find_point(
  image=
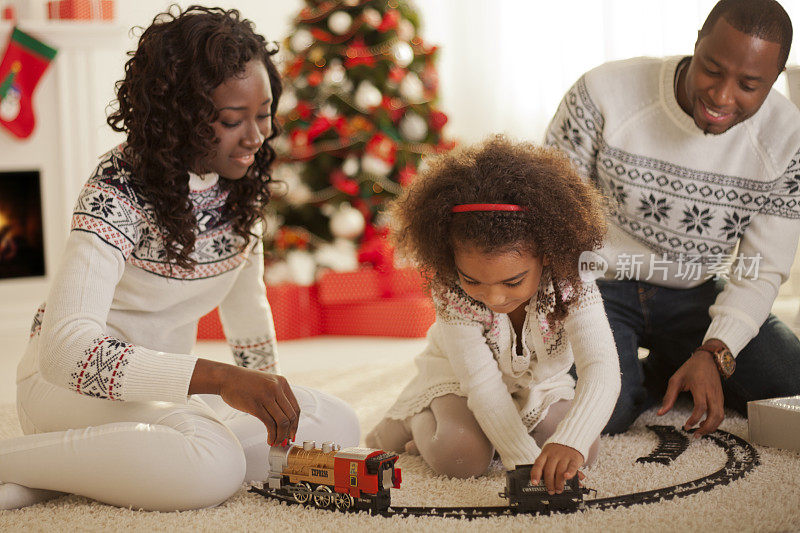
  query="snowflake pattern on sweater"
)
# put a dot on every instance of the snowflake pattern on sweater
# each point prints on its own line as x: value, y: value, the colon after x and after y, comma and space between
x: 102, y: 369
x: 672, y: 209
x: 258, y: 353
x: 110, y: 208
x: 122, y: 342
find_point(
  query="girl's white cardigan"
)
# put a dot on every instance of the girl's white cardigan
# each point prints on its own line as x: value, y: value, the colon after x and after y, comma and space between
x: 472, y: 352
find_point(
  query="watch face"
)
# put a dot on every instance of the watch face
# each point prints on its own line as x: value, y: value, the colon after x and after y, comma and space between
x: 725, y: 362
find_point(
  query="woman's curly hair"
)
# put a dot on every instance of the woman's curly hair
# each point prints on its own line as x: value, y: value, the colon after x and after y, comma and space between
x: 164, y: 106
x: 564, y: 215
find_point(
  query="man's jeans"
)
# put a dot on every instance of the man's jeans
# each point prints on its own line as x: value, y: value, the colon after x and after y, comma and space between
x: 671, y: 323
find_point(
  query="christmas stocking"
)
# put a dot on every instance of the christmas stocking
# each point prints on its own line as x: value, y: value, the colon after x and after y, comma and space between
x: 23, y: 64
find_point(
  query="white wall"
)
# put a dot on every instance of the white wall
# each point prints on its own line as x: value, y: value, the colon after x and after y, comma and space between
x: 504, y: 65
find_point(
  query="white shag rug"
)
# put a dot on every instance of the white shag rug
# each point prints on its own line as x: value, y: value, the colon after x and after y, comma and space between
x: 767, y: 499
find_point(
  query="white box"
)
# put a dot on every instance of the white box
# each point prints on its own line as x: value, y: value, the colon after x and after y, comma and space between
x: 775, y: 422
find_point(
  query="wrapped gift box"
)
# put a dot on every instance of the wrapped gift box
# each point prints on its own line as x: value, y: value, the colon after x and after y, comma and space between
x: 775, y: 422
x: 81, y: 9
x: 294, y: 310
x: 337, y: 288
x: 409, y: 316
x: 365, y: 302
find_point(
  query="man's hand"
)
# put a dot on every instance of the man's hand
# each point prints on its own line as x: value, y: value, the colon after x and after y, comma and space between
x: 556, y: 464
x: 698, y: 375
x: 267, y: 397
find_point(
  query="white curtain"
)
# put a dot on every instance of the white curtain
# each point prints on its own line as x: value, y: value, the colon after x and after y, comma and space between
x: 505, y: 64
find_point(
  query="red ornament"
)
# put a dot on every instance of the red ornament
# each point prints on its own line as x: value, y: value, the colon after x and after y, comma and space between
x: 396, y: 74
x: 382, y: 147
x: 295, y: 68
x: 358, y: 54
x: 340, y: 181
x: 376, y: 250
x: 303, y: 109
x: 300, y: 148
x: 407, y: 175
x: 319, y: 126
x: 389, y: 22
x: 437, y: 120
x: 315, y: 78
x: 321, y: 35
x: 393, y: 106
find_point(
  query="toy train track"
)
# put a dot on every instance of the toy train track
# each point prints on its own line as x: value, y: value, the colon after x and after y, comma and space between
x: 742, y: 458
x: 671, y: 444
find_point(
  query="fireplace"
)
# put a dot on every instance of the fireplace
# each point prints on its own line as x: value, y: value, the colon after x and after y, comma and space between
x: 21, y: 235
x: 41, y: 176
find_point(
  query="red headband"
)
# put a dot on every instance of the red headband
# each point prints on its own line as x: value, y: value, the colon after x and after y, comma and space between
x: 463, y: 208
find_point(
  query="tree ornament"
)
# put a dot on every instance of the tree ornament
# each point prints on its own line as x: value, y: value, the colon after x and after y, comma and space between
x: 405, y: 30
x: 379, y: 156
x: 288, y: 101
x: 339, y: 22
x: 367, y: 95
x: 341, y: 182
x: 316, y: 54
x: 403, y: 53
x: 302, y: 266
x: 340, y: 256
x: 350, y: 166
x: 407, y: 175
x: 389, y: 21
x: 411, y: 88
x: 347, y: 222
x: 372, y: 17
x: 413, y: 127
x: 277, y: 273
x: 301, y: 40
x: 437, y: 120
x: 335, y: 73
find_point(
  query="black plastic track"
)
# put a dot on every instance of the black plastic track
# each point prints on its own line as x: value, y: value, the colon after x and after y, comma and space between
x: 742, y: 458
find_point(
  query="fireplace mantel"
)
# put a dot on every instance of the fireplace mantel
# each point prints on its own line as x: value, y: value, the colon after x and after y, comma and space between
x: 70, y: 108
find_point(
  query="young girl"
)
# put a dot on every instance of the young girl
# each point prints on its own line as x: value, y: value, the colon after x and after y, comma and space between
x: 113, y: 406
x: 499, y: 229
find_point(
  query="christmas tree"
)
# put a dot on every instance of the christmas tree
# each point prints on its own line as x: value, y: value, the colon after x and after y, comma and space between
x: 358, y: 116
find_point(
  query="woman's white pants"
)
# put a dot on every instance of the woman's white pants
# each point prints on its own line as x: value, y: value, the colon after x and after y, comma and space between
x: 155, y: 456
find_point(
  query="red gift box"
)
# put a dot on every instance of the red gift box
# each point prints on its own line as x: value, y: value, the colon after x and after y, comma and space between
x: 365, y: 302
x: 294, y: 310
x: 336, y: 288
x: 390, y: 317
x: 81, y: 9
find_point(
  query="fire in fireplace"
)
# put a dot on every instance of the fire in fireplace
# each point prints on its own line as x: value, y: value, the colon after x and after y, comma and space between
x: 21, y: 241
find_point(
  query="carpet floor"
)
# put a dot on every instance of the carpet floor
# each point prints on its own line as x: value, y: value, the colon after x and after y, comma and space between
x: 766, y: 499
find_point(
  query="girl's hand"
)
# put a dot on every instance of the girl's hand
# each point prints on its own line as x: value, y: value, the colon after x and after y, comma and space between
x: 267, y: 397
x: 556, y: 464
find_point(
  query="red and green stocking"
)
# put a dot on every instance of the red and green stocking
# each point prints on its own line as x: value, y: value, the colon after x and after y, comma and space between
x: 23, y: 64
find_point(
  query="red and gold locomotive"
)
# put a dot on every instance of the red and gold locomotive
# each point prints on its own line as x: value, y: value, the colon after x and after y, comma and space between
x: 358, y: 478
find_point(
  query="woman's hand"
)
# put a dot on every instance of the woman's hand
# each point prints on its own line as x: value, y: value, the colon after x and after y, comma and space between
x: 267, y: 397
x: 556, y: 464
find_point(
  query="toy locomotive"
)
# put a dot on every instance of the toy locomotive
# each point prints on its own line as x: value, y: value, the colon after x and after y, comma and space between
x: 361, y: 478
x: 527, y: 498
x: 344, y: 478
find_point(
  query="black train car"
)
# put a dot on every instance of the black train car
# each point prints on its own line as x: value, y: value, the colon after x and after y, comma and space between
x: 527, y: 498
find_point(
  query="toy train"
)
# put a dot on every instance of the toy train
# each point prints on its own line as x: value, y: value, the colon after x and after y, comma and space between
x: 361, y: 478
x: 527, y: 498
x: 344, y: 478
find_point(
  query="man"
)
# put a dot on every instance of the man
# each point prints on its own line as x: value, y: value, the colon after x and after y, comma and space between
x: 696, y: 156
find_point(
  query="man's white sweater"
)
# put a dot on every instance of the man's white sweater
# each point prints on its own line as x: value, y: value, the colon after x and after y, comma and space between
x: 681, y: 200
x: 118, y: 322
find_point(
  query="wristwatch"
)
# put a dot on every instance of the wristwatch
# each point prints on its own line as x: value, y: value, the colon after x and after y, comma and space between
x: 724, y: 360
